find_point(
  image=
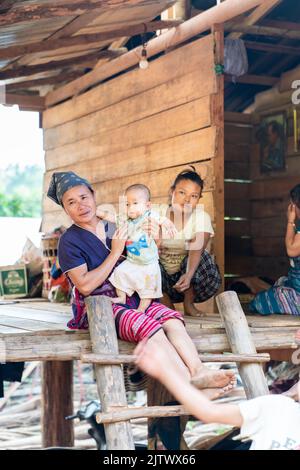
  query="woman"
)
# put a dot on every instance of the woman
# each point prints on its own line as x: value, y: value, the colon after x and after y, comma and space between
x: 284, y: 296
x: 88, y: 253
x: 189, y: 273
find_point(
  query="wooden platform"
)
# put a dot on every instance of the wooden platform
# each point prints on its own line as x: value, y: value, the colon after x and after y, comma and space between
x: 36, y: 330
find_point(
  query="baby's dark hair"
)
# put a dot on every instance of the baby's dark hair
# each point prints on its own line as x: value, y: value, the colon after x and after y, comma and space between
x: 190, y: 175
x: 295, y: 195
x: 140, y: 187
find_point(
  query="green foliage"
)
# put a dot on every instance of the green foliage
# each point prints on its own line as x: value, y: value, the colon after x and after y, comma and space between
x: 21, y: 191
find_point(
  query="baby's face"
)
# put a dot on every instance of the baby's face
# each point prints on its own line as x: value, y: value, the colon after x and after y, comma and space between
x: 136, y: 203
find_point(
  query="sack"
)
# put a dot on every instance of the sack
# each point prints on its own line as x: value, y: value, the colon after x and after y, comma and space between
x: 235, y: 57
x: 32, y: 257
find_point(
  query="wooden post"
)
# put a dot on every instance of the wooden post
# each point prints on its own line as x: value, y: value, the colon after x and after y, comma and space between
x: 241, y: 342
x: 57, y: 403
x: 217, y: 117
x: 157, y: 394
x: 110, y: 380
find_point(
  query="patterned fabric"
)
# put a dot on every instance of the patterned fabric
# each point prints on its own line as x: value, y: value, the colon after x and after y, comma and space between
x: 62, y: 182
x: 145, y: 279
x: 140, y: 248
x: 206, y: 280
x: 283, y: 297
x: 131, y: 325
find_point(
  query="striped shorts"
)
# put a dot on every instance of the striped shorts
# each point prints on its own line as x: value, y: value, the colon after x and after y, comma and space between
x: 134, y: 326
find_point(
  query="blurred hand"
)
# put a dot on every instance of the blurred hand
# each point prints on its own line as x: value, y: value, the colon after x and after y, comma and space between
x: 168, y: 228
x: 151, y: 227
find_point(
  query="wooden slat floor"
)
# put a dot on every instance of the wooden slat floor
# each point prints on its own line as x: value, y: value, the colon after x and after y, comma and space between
x: 36, y: 329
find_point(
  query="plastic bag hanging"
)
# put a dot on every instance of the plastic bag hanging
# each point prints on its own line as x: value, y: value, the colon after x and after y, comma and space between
x: 235, y: 58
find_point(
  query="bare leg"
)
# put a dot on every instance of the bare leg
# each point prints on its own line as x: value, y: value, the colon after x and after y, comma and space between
x: 121, y: 299
x: 201, y: 376
x: 165, y: 300
x: 188, y: 303
x: 144, y: 304
x: 165, y: 357
x: 161, y: 343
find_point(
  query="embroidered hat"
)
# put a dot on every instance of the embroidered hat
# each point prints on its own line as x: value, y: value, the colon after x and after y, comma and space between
x: 62, y: 182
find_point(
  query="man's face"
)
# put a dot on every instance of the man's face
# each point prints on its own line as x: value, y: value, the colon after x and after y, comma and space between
x: 272, y: 136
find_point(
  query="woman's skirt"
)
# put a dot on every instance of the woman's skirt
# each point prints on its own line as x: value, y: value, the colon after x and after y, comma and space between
x: 206, y: 280
x: 281, y: 299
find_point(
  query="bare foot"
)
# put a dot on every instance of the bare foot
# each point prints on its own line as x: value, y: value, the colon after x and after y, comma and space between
x: 209, y: 378
x: 215, y: 393
x: 292, y: 392
x: 191, y: 310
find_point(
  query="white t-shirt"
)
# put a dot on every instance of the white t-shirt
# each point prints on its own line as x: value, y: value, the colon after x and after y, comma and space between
x: 174, y: 250
x: 272, y: 422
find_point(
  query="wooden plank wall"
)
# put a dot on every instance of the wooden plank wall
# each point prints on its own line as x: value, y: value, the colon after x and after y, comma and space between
x: 144, y: 126
x: 238, y: 135
x: 269, y: 201
x: 255, y: 243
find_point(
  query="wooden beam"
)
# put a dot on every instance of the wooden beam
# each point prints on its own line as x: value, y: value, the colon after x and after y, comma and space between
x: 88, y: 39
x: 199, y: 23
x: 241, y: 342
x: 262, y: 80
x: 272, y: 48
x: 24, y: 71
x: 262, y: 31
x: 284, y: 25
x: 126, y: 414
x: 217, y: 116
x: 110, y: 379
x: 36, y: 103
x: 52, y: 80
x: 239, y: 118
x: 110, y: 359
x: 35, y: 12
x: 57, y: 403
x: 256, y: 15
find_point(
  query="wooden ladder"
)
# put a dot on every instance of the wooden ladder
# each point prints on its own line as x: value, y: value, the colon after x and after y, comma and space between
x: 116, y: 414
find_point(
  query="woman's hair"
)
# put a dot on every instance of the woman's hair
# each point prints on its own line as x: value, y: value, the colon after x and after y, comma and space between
x: 190, y: 175
x: 295, y: 195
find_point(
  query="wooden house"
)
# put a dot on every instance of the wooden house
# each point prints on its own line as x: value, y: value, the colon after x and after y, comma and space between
x: 104, y: 117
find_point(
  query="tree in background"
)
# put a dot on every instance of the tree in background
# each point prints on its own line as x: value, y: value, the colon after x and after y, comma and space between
x: 21, y: 191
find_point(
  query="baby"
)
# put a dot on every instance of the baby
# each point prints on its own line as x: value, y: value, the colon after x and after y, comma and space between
x: 140, y: 272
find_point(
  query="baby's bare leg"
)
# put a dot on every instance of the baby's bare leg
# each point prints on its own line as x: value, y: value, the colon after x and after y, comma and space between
x: 121, y: 299
x: 144, y: 304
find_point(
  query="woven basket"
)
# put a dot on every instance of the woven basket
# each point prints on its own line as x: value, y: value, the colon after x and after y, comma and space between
x: 49, y: 245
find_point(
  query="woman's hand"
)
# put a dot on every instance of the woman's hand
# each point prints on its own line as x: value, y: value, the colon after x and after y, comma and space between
x: 183, y: 283
x: 168, y: 228
x: 151, y: 227
x: 291, y: 213
x: 119, y: 239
